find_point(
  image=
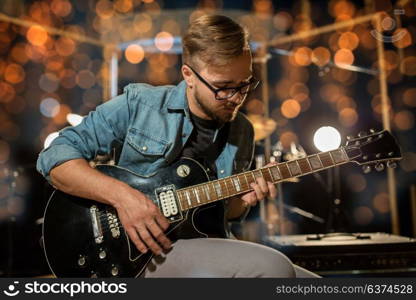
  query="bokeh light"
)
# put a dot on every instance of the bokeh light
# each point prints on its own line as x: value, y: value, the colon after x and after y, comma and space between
x: 290, y: 108
x: 49, y: 107
x: 164, y: 41
x: 134, y: 54
x: 36, y: 35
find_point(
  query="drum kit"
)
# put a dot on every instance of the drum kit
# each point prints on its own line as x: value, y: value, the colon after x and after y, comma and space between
x: 272, y: 211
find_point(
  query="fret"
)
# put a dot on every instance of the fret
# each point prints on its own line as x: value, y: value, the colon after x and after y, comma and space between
x: 230, y: 186
x: 294, y: 168
x: 197, y: 195
x: 251, y: 179
x: 223, y: 183
x: 270, y: 174
x: 284, y: 170
x: 332, y: 159
x: 217, y: 188
x: 325, y: 159
x: 338, y: 156
x: 315, y: 162
x: 188, y: 198
x: 275, y: 173
x: 181, y: 200
x: 207, y: 193
x: 266, y: 174
x: 304, y: 165
x: 236, y: 182
x: 245, y: 177
x: 258, y: 173
x: 243, y: 182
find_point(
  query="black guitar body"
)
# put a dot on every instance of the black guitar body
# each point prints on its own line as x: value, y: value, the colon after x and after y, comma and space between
x: 83, y: 238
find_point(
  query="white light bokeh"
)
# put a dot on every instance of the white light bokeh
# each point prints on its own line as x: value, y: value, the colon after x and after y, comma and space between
x: 74, y: 119
x: 327, y: 138
x: 49, y: 107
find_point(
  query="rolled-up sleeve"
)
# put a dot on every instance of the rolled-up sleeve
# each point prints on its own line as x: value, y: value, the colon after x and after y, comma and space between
x: 94, y: 135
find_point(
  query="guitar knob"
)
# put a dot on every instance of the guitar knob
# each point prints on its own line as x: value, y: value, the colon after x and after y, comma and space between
x: 349, y: 137
x: 102, y: 254
x: 379, y: 167
x: 362, y: 134
x: 372, y: 130
x: 114, y: 271
x: 366, y: 169
x: 391, y: 164
x: 81, y: 261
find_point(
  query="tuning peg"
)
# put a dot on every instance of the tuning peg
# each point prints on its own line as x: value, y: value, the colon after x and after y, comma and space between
x: 349, y: 138
x: 379, y: 167
x: 362, y: 134
x: 366, y: 169
x: 391, y: 164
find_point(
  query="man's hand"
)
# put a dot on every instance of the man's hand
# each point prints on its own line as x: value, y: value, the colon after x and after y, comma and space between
x: 262, y: 189
x: 143, y: 221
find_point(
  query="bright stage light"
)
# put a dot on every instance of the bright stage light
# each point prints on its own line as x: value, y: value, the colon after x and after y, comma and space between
x: 327, y: 138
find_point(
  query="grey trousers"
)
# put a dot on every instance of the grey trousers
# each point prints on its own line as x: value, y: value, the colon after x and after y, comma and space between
x: 222, y: 258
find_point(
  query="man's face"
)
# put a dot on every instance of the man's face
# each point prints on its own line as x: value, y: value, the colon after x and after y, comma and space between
x: 237, y: 72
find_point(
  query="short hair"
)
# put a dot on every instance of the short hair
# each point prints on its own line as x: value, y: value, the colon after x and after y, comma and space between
x: 214, y: 39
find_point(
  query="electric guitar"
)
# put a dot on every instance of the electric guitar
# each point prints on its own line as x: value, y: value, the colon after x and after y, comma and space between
x: 84, y: 238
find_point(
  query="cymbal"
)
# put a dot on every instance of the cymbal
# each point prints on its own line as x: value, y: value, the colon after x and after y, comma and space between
x: 263, y: 127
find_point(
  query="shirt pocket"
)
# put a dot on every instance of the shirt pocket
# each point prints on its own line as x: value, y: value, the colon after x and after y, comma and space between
x: 145, y: 152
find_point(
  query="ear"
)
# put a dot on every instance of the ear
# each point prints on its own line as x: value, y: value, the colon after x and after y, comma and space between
x: 187, y: 75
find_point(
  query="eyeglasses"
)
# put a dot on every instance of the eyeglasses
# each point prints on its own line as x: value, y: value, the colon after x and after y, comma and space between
x: 228, y: 92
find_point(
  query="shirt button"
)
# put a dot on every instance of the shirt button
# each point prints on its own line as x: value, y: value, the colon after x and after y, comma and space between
x: 222, y: 171
x: 184, y: 135
x: 144, y: 148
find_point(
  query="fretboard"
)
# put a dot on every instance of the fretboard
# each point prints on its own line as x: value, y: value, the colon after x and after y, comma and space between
x: 234, y: 185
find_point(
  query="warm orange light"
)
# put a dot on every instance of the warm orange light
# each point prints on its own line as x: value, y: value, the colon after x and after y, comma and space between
x: 104, y: 9
x: 134, y: 54
x: 404, y: 38
x: 363, y: 215
x: 36, y: 35
x: 290, y: 108
x: 348, y: 117
x: 85, y: 79
x: 65, y: 46
x: 348, y: 40
x: 164, y: 41
x: 408, y: 66
x: 143, y: 23
x: 18, y: 53
x: 381, y: 203
x: 123, y: 6
x: 14, y: 73
x: 409, y: 97
x: 61, y: 8
x: 7, y: 92
x: 60, y: 117
x: 404, y: 120
x: 357, y: 182
x: 344, y: 57
x: 302, y: 56
x: 320, y: 56
x: 287, y: 138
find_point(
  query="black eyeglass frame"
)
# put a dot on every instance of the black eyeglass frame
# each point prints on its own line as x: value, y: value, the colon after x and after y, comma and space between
x: 237, y: 89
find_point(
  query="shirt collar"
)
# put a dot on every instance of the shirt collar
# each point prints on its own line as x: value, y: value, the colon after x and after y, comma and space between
x: 177, y: 99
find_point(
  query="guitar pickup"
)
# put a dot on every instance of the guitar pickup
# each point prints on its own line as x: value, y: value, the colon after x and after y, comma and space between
x: 168, y: 203
x: 96, y: 225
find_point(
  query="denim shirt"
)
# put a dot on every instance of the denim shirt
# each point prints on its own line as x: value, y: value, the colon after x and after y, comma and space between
x: 153, y: 125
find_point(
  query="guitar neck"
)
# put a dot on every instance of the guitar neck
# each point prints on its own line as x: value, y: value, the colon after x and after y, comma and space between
x: 234, y: 185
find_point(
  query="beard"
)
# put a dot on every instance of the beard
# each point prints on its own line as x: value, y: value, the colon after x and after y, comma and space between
x: 226, y: 113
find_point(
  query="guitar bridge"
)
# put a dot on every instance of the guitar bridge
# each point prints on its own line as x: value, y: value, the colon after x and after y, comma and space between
x: 168, y: 203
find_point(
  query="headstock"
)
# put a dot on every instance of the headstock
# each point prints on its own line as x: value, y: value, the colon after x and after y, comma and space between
x: 374, y: 148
